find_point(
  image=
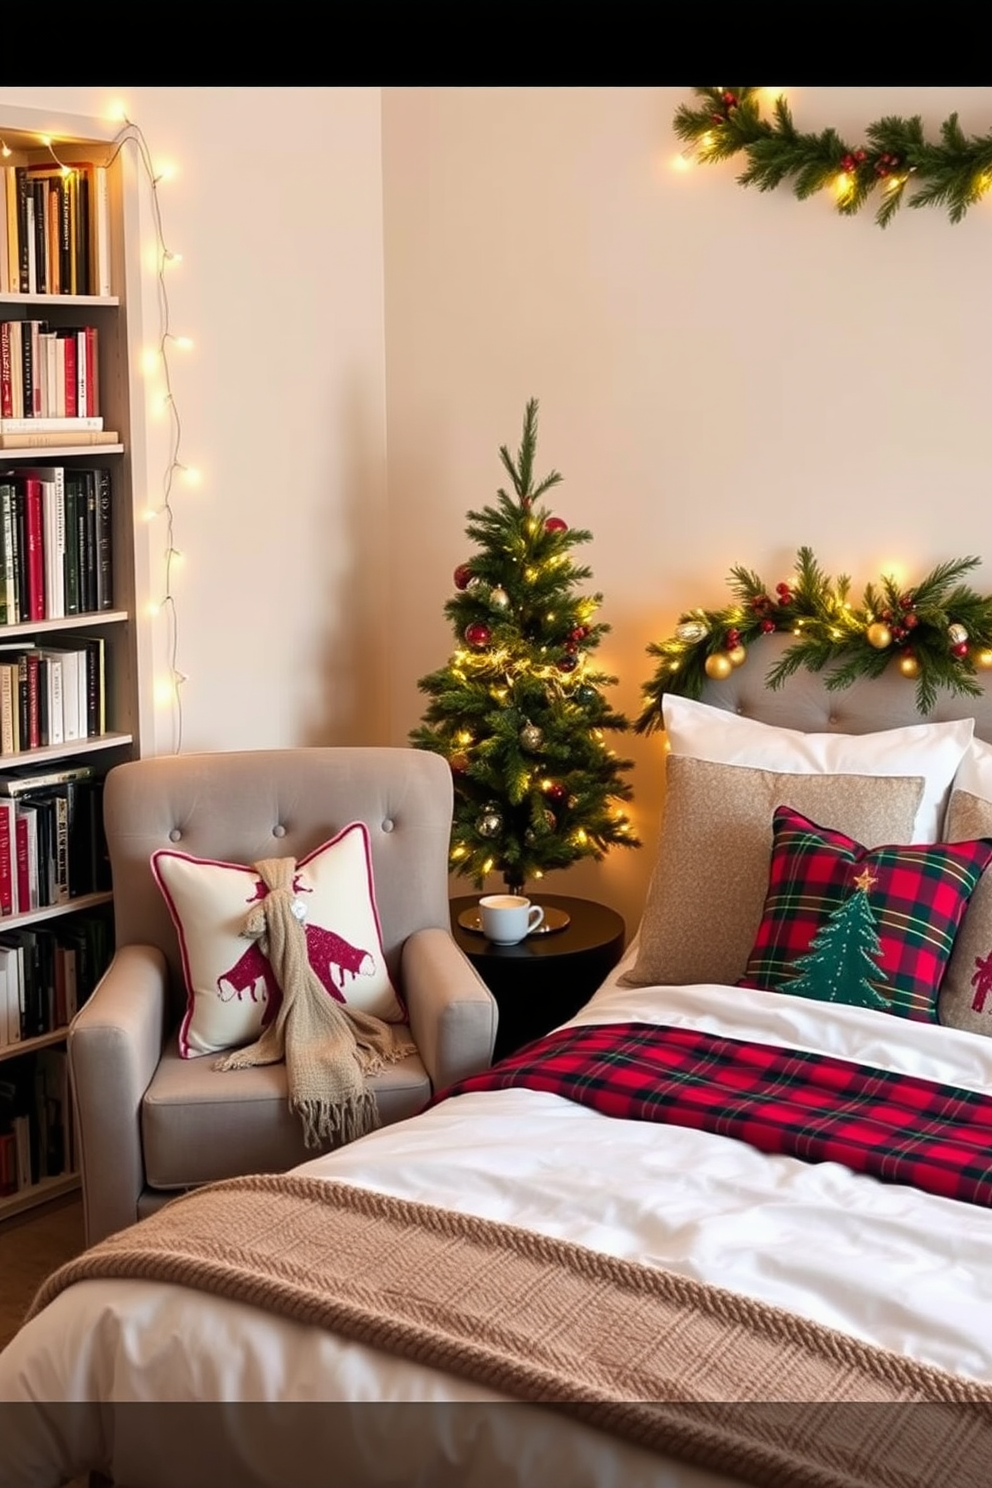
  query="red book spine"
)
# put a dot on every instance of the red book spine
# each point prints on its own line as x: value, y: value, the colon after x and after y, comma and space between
x: 34, y: 522
x: 6, y: 861
x: 23, y: 865
x: 92, y: 377
x: 71, y: 385
x: 6, y: 386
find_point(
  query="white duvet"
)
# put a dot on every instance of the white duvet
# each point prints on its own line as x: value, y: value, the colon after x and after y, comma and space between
x: 884, y: 1262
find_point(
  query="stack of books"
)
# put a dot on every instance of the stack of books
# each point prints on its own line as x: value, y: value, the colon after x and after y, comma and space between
x: 54, y: 228
x: 52, y: 843
x: 56, y: 542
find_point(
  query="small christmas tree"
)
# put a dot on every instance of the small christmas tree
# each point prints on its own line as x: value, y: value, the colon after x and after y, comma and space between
x: 519, y: 711
x: 843, y: 956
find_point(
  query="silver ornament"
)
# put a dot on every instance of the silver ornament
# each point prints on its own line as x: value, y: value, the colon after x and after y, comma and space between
x: 531, y: 736
x: 490, y: 823
x: 499, y: 599
x: 691, y: 631
x: 956, y: 634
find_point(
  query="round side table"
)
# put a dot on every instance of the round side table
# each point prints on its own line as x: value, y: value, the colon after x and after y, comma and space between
x: 545, y: 979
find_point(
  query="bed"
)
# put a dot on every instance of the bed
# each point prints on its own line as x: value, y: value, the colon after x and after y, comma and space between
x: 678, y: 1293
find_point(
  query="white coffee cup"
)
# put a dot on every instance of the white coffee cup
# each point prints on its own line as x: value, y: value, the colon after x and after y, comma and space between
x: 508, y: 918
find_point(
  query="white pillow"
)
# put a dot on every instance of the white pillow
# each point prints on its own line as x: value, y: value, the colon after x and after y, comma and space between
x: 231, y: 989
x: 933, y: 751
x: 974, y: 774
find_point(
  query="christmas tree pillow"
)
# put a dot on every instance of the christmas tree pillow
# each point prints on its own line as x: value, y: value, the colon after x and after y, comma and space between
x: 966, y: 992
x: 872, y: 928
x: 231, y: 990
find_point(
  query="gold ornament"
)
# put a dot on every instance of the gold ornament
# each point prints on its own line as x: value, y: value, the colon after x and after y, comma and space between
x: 956, y: 634
x: 909, y: 666
x: 499, y: 599
x: 737, y: 655
x: 531, y: 736
x: 983, y: 659
x: 879, y: 635
x: 718, y: 666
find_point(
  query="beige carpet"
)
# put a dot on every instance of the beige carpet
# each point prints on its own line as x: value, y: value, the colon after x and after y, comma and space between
x: 33, y: 1245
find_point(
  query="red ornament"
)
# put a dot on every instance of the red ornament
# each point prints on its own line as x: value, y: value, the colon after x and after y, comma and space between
x: 478, y: 635
x: 578, y: 634
x: 556, y: 791
x: 768, y: 626
x: 462, y: 575
x: 566, y: 663
x: 555, y: 524
x: 960, y: 648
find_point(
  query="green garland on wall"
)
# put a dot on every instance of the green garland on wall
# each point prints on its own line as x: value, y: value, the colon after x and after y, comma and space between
x: 939, y: 633
x: 895, y: 159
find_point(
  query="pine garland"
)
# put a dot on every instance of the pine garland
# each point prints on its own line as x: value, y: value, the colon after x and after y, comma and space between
x: 939, y: 633
x: 895, y: 158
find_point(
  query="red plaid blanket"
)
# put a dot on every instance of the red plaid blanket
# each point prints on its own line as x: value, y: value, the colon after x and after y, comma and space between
x: 899, y: 1128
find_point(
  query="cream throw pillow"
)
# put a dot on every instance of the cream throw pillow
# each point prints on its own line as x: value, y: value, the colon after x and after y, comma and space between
x: 707, y: 892
x: 931, y: 750
x: 231, y: 988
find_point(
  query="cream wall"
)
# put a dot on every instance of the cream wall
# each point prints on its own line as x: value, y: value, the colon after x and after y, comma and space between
x: 723, y: 375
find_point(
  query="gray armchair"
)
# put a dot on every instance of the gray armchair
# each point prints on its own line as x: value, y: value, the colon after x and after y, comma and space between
x: 150, y: 1123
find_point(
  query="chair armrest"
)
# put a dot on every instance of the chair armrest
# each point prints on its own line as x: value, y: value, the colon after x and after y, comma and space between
x: 115, y: 1044
x: 452, y: 1012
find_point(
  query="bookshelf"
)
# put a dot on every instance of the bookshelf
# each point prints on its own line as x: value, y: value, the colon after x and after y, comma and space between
x: 104, y: 295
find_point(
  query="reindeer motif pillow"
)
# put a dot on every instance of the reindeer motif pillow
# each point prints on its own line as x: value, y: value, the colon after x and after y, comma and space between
x: 230, y: 987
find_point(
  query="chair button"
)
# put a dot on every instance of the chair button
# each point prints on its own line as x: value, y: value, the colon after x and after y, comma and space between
x: 175, y: 835
x: 388, y: 824
x: 278, y: 830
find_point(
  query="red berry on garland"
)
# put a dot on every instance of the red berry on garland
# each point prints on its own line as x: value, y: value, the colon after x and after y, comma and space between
x: 566, y: 663
x: 579, y: 633
x: 730, y: 99
x: 478, y: 635
x: 910, y: 619
x: 555, y: 524
x: 768, y: 626
x: 732, y: 638
x: 462, y: 575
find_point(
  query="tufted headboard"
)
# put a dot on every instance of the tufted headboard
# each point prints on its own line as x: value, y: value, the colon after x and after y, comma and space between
x: 803, y: 702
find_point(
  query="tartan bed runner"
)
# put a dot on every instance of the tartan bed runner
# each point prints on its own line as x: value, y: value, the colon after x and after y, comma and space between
x: 898, y: 1128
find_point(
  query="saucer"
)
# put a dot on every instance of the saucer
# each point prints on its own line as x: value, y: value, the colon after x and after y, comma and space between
x: 554, y: 919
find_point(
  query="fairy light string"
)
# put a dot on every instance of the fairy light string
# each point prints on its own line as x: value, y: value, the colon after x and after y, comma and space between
x: 130, y: 133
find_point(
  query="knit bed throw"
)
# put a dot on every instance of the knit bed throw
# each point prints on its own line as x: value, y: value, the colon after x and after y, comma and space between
x: 329, y: 1047
x: 676, y: 1366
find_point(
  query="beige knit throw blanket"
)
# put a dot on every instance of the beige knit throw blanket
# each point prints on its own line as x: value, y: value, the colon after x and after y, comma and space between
x: 329, y: 1047
x: 688, y: 1370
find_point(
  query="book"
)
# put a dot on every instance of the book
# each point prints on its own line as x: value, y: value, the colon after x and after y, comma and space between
x: 66, y: 440
x: 52, y: 479
x: 6, y: 372
x: 13, y: 284
x: 7, y: 539
x: 104, y: 540
x: 24, y: 779
x: 8, y: 690
x: 12, y: 993
x: 88, y: 551
x: 29, y: 425
x: 34, y: 533
x: 26, y: 860
x: 7, y: 854
x: 4, y: 238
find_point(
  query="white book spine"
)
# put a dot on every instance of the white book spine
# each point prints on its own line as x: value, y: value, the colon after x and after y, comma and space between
x: 29, y: 425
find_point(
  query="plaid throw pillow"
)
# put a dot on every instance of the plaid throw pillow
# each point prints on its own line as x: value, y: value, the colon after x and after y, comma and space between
x: 873, y: 928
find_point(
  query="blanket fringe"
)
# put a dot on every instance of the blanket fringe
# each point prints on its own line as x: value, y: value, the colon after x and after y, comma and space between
x: 325, y: 1122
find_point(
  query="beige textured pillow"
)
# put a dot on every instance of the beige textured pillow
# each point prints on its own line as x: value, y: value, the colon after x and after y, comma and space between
x: 965, y: 999
x: 707, y: 891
